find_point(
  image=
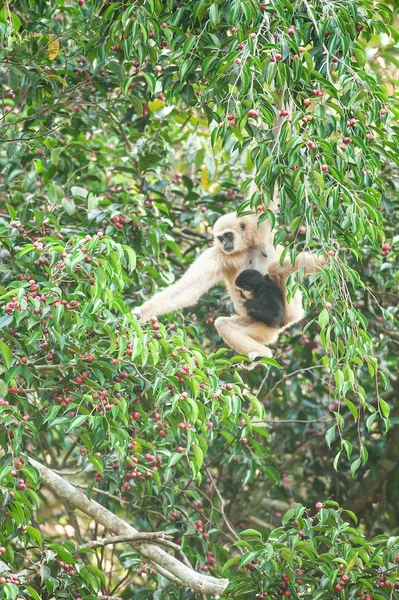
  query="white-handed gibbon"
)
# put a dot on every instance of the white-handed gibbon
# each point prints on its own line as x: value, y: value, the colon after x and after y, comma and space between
x: 239, y: 244
x: 261, y: 297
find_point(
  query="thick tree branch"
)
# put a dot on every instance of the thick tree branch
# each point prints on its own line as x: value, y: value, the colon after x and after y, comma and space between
x: 170, y: 567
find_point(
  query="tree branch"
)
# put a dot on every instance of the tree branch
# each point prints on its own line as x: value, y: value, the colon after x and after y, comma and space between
x: 146, y: 536
x: 158, y: 537
x: 222, y: 505
x: 170, y: 567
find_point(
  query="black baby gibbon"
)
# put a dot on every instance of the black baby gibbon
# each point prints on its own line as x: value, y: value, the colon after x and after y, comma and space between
x: 261, y: 297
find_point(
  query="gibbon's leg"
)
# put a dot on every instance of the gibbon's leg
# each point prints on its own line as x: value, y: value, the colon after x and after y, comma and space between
x: 279, y: 273
x: 293, y: 310
x: 246, y: 336
x: 204, y: 273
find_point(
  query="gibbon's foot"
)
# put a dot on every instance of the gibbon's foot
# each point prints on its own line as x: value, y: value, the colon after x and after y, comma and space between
x: 255, y: 357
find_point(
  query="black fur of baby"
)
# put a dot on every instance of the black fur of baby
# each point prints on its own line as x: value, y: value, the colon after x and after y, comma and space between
x: 264, y: 300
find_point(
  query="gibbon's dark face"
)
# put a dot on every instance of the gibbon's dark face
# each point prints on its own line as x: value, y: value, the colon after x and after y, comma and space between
x: 230, y: 233
x: 226, y: 240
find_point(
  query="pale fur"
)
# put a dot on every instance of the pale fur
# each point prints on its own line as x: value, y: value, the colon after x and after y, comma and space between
x: 253, y: 249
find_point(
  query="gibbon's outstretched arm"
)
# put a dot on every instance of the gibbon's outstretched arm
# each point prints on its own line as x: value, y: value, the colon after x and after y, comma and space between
x: 203, y: 274
x: 310, y: 263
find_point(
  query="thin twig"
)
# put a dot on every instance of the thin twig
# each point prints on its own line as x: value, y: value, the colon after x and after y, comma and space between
x: 288, y: 376
x: 222, y: 505
x: 97, y: 491
x: 146, y: 536
x: 278, y: 422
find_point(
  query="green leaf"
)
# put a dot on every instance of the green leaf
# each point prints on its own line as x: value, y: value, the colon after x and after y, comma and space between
x: 360, y: 56
x: 28, y: 248
x: 384, y: 407
x: 199, y: 456
x: 364, y: 454
x: 6, y: 352
x: 354, y: 466
x: 214, y: 14
x: 256, y: 404
x: 79, y: 191
x: 324, y: 318
x: 97, y: 463
x: 77, y: 422
x: 31, y: 592
x: 251, y: 533
x: 131, y: 255
x: 230, y: 563
x: 35, y: 534
x: 288, y: 515
x: 16, y: 21
x: 173, y: 459
x: 184, y: 68
x: 352, y: 408
x: 98, y: 573
x: 69, y: 205
x: 6, y: 320
x: 55, y: 155
x: 62, y: 553
x: 330, y: 435
x: 189, y: 45
x: 336, y: 459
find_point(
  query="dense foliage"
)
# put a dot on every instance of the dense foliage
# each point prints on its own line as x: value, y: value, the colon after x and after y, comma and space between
x: 126, y: 129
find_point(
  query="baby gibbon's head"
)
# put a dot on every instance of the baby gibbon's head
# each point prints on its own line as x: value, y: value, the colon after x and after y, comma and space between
x: 235, y: 234
x: 249, y: 279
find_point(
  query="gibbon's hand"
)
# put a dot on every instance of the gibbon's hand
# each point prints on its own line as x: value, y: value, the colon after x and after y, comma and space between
x: 241, y: 301
x: 141, y: 313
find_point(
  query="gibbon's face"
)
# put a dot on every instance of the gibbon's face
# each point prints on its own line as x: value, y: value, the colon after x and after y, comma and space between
x: 244, y: 292
x: 247, y: 283
x: 227, y: 241
x: 234, y: 234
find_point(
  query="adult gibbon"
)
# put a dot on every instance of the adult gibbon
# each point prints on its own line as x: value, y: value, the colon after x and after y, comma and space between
x: 239, y: 244
x: 261, y: 297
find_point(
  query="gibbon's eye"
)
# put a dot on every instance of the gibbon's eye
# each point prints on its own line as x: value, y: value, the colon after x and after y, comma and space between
x: 242, y: 225
x: 220, y: 238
